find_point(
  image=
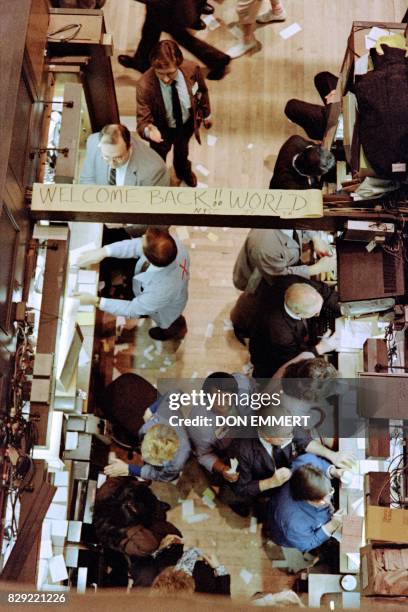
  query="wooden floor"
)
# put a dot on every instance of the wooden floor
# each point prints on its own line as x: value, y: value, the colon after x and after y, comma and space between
x: 250, y: 126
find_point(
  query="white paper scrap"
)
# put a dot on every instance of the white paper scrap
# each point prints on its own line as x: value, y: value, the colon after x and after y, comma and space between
x: 227, y: 325
x: 194, y: 375
x: 57, y: 511
x: 202, y: 170
x: 58, y: 569
x: 361, y: 64
x: 202, y: 185
x: 236, y: 31
x: 290, y: 31
x: 354, y: 560
x: 374, y: 34
x: 147, y: 352
x: 197, y: 518
x: 83, y: 358
x: 61, y: 495
x: 211, y: 22
x: 101, y: 480
x: 253, y: 525
x: 208, y: 502
x: 246, y: 576
x: 211, y: 140
x: 187, y: 508
x: 46, y: 549
x: 71, y: 440
x: 250, y: 145
x: 182, y: 233
x: 87, y: 277
x: 61, y: 479
x: 233, y: 468
x: 210, y: 330
x: 75, y: 253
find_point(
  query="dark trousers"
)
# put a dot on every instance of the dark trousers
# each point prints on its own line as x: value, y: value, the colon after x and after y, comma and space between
x: 156, y: 22
x: 178, y: 139
x: 313, y: 117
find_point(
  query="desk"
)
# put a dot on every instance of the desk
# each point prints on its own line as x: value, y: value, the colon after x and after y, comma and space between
x: 56, y: 518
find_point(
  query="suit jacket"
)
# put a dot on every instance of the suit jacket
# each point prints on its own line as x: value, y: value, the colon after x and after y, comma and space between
x: 145, y: 166
x: 256, y: 464
x: 266, y: 253
x: 284, y: 175
x: 277, y: 337
x: 150, y: 104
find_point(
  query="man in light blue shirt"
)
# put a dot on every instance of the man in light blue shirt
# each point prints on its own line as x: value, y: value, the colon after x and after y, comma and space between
x: 160, y: 281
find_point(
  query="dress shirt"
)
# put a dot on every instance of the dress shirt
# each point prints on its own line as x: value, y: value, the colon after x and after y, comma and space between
x: 269, y: 447
x: 121, y: 172
x: 184, y: 97
x: 160, y: 293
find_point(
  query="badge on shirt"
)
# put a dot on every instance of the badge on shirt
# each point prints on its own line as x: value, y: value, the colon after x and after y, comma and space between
x: 194, y: 88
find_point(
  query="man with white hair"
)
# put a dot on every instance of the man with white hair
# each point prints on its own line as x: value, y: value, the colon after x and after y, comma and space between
x: 281, y: 331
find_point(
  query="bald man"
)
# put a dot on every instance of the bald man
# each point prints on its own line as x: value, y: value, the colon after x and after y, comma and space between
x: 281, y: 331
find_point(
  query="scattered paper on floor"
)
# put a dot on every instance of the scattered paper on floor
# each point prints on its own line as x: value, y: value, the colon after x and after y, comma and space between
x: 246, y: 576
x: 290, y: 31
x: 202, y: 169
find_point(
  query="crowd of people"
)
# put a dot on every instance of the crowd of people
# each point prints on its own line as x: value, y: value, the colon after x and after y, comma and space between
x: 283, y: 474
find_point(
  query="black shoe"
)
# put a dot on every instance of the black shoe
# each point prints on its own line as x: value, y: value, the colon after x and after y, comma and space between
x: 198, y: 25
x: 208, y: 9
x: 240, y: 335
x: 190, y: 179
x: 241, y: 509
x: 127, y: 61
x: 215, y: 74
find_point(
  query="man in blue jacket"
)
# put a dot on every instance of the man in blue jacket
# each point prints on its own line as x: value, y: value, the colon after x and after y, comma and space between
x: 300, y: 513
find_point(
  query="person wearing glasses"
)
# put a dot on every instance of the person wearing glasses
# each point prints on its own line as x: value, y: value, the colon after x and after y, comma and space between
x: 114, y: 157
x: 300, y: 513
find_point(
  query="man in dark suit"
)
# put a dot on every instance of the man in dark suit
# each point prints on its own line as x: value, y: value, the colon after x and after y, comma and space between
x: 172, y: 101
x: 300, y: 165
x: 313, y: 117
x: 282, y: 331
x: 174, y: 17
x: 264, y: 462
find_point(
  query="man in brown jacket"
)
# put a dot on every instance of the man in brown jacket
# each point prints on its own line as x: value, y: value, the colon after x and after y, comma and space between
x: 172, y: 101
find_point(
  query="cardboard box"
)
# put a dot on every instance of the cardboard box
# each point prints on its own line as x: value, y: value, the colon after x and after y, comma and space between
x: 387, y: 524
x: 376, y: 581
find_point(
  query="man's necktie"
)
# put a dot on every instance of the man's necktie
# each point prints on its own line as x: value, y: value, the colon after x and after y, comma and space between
x: 112, y: 176
x: 295, y: 237
x: 144, y: 267
x: 177, y: 114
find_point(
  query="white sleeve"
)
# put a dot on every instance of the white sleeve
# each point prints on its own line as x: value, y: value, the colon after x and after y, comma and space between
x: 125, y: 249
